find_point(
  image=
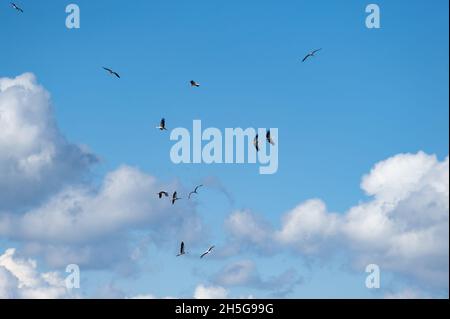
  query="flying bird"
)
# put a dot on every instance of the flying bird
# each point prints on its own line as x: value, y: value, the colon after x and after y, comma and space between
x: 311, y: 54
x: 15, y: 6
x: 194, y: 191
x: 194, y: 84
x: 112, y: 72
x: 163, y: 193
x: 162, y: 125
x: 182, y: 252
x: 174, y: 198
x: 269, y: 138
x: 256, y: 142
x: 207, y: 252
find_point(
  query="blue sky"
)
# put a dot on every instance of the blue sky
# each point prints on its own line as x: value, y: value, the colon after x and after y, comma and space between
x: 367, y: 96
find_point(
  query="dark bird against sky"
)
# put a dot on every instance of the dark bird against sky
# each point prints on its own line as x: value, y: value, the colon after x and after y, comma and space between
x: 311, y: 54
x: 269, y: 138
x: 175, y: 198
x: 162, y: 125
x: 207, y: 252
x: 15, y: 6
x: 194, y: 84
x: 112, y: 72
x: 256, y: 142
x: 194, y: 191
x: 182, y: 252
x: 163, y: 193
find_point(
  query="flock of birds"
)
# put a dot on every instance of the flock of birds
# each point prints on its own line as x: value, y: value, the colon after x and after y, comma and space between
x: 162, y: 127
x: 173, y: 199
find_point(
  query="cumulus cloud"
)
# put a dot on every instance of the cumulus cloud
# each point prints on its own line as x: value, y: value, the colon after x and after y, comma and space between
x: 126, y: 198
x: 73, y: 225
x: 237, y: 274
x: 35, y: 158
x: 46, y: 206
x: 248, y: 230
x: 244, y: 273
x: 308, y: 227
x: 19, y: 278
x: 210, y: 292
x: 404, y: 227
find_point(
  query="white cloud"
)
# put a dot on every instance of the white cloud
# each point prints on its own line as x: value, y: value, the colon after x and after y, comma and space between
x: 45, y: 205
x: 82, y: 224
x: 308, y: 226
x: 210, y: 292
x: 19, y: 278
x: 82, y: 214
x: 246, y: 227
x: 405, y: 294
x: 237, y: 274
x: 244, y: 273
x: 404, y: 227
x: 35, y: 158
x: 8, y: 284
x: 147, y: 296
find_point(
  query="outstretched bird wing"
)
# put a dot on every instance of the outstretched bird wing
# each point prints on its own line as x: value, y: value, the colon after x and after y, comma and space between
x: 269, y: 138
x: 163, y: 193
x: 16, y: 7
x: 182, y: 248
x: 207, y: 252
x: 311, y: 54
x: 255, y: 143
x: 174, y: 197
x: 112, y: 72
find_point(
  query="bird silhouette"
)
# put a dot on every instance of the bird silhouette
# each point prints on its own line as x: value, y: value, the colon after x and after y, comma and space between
x: 311, y: 54
x: 182, y: 252
x: 207, y: 252
x: 194, y: 191
x: 163, y: 193
x: 175, y: 198
x: 15, y: 6
x: 112, y: 72
x: 162, y: 125
x: 269, y: 138
x: 194, y: 84
x: 256, y: 142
